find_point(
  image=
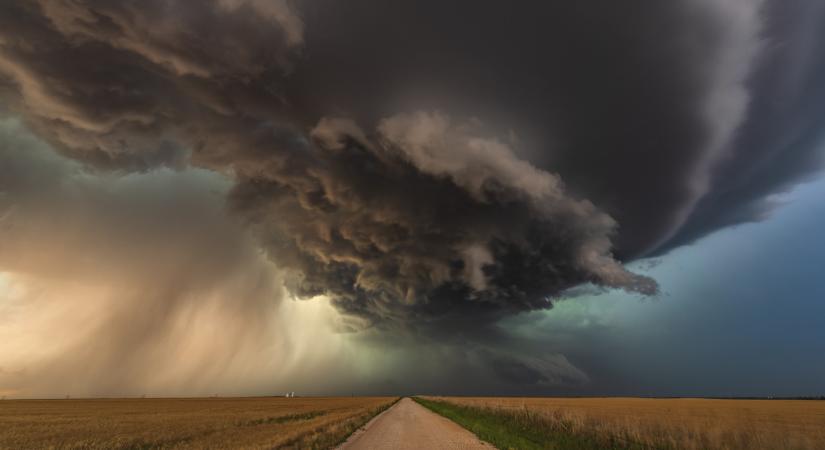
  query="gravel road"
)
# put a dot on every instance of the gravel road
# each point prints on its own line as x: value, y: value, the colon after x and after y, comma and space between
x: 408, y: 425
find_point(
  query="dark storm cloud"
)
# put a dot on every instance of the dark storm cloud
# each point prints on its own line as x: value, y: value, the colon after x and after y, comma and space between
x: 629, y: 104
x: 428, y: 160
x: 427, y: 220
x: 781, y: 142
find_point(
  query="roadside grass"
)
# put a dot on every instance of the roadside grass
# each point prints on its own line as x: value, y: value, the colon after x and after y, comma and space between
x: 666, y: 423
x: 526, y: 430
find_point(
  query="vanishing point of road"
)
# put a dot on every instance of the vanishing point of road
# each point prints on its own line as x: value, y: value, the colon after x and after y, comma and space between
x: 408, y: 425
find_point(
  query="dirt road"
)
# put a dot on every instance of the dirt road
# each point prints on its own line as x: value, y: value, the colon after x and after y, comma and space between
x: 408, y: 425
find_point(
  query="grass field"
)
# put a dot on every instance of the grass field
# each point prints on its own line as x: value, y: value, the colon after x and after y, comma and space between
x: 184, y: 423
x: 634, y: 423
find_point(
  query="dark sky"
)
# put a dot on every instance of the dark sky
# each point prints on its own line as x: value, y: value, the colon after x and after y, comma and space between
x: 326, y: 185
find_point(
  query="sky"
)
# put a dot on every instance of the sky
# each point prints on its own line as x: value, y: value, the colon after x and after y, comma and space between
x: 740, y: 315
x: 246, y: 197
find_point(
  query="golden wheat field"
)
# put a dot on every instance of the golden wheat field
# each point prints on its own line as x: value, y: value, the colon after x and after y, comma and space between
x: 196, y: 423
x: 679, y: 423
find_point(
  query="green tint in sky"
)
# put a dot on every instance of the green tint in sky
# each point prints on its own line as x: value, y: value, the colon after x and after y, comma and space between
x: 742, y: 313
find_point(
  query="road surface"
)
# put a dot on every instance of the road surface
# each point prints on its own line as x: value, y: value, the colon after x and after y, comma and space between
x: 408, y: 425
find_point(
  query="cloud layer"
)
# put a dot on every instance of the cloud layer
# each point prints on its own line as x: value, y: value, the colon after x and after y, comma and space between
x: 425, y: 165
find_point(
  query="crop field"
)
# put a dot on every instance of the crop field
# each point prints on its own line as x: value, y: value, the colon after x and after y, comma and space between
x: 184, y: 423
x: 636, y: 423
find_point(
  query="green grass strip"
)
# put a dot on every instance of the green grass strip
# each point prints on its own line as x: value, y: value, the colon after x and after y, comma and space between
x: 507, y: 429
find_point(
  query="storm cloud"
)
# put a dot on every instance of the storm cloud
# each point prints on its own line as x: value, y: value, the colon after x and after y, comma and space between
x: 432, y: 162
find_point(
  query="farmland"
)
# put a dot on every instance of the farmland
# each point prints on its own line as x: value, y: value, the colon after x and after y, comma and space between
x: 184, y: 423
x: 637, y: 423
